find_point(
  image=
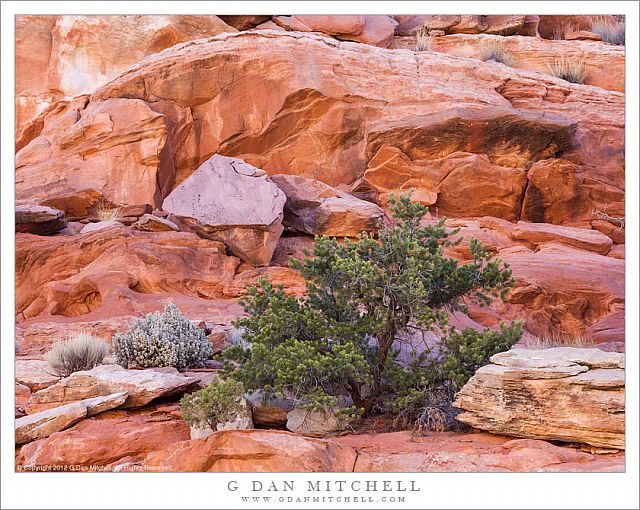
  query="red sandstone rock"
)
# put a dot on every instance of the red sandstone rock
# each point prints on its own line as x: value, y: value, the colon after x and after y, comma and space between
x: 581, y: 35
x: 609, y: 329
x: 106, y: 439
x: 615, y: 232
x: 22, y: 395
x: 291, y: 247
x: 561, y: 192
x: 115, y: 270
x: 377, y: 31
x: 312, y: 207
x: 310, y: 104
x: 113, y: 146
x: 451, y: 452
x: 38, y: 219
x: 150, y: 223
x: 268, y: 451
x: 331, y: 25
x: 59, y: 57
x: 228, y: 200
x: 564, y: 289
x: 538, y: 233
x: 553, y: 25
x: 605, y: 62
x: 244, y: 22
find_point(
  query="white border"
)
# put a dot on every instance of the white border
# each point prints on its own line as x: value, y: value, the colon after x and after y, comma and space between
x: 562, y: 490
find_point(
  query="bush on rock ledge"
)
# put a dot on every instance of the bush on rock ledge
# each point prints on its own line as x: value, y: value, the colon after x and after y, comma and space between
x: 364, y: 300
x: 162, y: 339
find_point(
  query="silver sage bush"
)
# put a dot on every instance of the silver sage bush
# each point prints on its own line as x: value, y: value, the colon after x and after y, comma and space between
x: 162, y: 339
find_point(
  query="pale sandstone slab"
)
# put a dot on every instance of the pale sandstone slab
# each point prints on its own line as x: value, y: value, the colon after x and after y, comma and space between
x: 229, y: 200
x: 43, y: 424
x: 142, y: 386
x: 562, y: 394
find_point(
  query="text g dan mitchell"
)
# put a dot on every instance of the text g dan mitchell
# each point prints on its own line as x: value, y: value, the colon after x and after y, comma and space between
x: 324, y: 486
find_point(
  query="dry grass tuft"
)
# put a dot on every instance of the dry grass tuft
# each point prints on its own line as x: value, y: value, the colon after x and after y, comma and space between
x: 549, y: 342
x: 424, y: 40
x: 104, y: 211
x: 497, y: 51
x: 571, y: 68
x: 80, y: 352
x: 611, y: 31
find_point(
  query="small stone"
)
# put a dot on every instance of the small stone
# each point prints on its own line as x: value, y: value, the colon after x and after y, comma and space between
x: 100, y: 225
x: 312, y: 424
x: 39, y: 219
x: 151, y: 223
x: 582, y: 35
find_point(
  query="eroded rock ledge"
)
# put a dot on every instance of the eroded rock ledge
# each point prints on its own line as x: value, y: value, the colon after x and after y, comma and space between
x: 564, y: 394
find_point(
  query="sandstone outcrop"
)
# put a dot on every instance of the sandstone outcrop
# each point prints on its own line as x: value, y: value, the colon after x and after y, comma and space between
x: 538, y: 233
x: 331, y: 25
x: 464, y: 453
x: 39, y: 219
x: 60, y: 57
x: 564, y: 289
x: 34, y: 374
x: 150, y: 223
x: 141, y: 386
x: 553, y: 25
x: 115, y: 272
x: 113, y: 437
x: 228, y: 200
x: 244, y: 22
x: 453, y: 24
x: 604, y: 62
x: 114, y: 146
x: 268, y: 451
x: 44, y: 423
x: 313, y: 207
x: 292, y: 136
x: 563, y: 394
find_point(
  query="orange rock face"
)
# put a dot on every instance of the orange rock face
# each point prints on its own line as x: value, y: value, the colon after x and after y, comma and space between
x: 604, y: 62
x: 530, y: 164
x: 253, y: 450
x: 552, y: 25
x: 565, y: 289
x: 114, y: 147
x: 449, y: 452
x: 540, y: 116
x: 60, y: 57
x: 111, y: 437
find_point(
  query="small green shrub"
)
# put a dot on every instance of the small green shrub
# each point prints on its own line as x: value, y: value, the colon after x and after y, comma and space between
x: 219, y: 402
x: 611, y: 31
x: 80, y: 352
x: 162, y: 339
x: 497, y: 51
x: 363, y: 296
x: 570, y: 68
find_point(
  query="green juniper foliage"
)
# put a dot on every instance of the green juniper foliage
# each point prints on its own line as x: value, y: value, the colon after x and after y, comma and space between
x: 162, y: 339
x: 362, y: 298
x: 219, y: 402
